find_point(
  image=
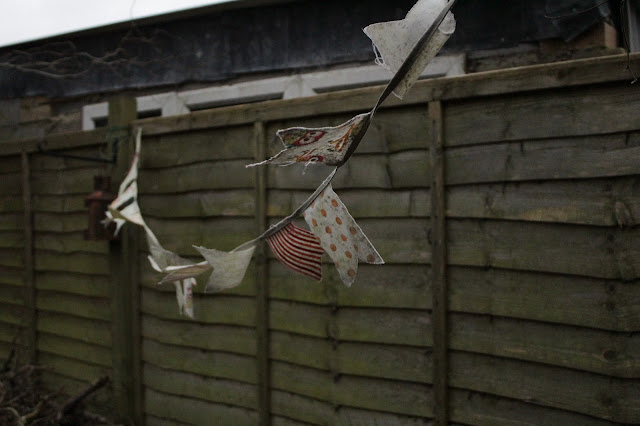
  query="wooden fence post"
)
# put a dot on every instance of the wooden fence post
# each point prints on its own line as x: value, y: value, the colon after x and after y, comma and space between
x: 438, y: 267
x: 29, y: 287
x: 262, y: 282
x: 123, y: 260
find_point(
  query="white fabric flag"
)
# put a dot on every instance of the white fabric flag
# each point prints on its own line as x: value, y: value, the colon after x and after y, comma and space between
x: 229, y: 268
x: 394, y: 40
x: 340, y: 236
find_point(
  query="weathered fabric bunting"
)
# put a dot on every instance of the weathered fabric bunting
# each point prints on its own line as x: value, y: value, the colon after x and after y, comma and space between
x: 125, y: 207
x: 394, y: 40
x: 340, y: 235
x: 185, y: 296
x: 298, y: 249
x: 229, y: 268
x: 327, y: 145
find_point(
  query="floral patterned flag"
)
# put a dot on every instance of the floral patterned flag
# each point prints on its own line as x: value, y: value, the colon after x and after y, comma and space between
x: 327, y: 145
x: 339, y: 235
x: 298, y: 249
x: 394, y: 41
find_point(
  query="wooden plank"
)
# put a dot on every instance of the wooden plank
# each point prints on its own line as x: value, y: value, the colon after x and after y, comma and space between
x: 233, y: 339
x: 12, y: 295
x: 99, y: 402
x: 301, y: 408
x: 389, y: 326
x: 180, y: 149
x: 586, y: 302
x: 616, y: 400
x: 360, y: 359
x: 209, y: 389
x: 222, y: 233
x: 582, y: 202
x: 83, y: 263
x: 11, y: 276
x: 348, y: 415
x: 199, y: 204
x: 11, y: 183
x: 197, y: 177
x: 11, y: 240
x: 77, y: 305
x: 59, y: 203
x: 535, y: 160
x: 439, y: 290
x: 71, y: 348
x: 262, y: 282
x: 69, y: 242
x: 11, y: 222
x: 61, y: 223
x: 9, y: 332
x: 570, y: 73
x: 212, y: 309
x: 565, y: 112
x: 56, y: 141
x: 222, y: 365
x: 360, y: 202
x: 11, y: 204
x: 11, y: 314
x: 85, y: 330
x: 567, y: 249
x: 73, y: 368
x: 476, y: 408
x: 29, y: 288
x: 78, y: 284
x: 194, y: 411
x: 73, y: 181
x: 597, y: 351
x: 390, y: 286
x: 374, y: 394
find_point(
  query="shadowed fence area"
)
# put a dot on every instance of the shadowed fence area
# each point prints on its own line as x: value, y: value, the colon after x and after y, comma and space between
x: 505, y: 204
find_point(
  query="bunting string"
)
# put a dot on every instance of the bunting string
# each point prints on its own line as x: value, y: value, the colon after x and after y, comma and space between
x: 405, y: 48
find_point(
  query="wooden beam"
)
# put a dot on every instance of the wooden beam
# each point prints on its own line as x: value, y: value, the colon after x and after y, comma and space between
x: 29, y: 273
x: 439, y: 267
x: 125, y: 323
x: 262, y: 272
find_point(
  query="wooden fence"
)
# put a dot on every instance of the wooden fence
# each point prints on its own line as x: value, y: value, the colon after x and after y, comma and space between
x: 506, y: 205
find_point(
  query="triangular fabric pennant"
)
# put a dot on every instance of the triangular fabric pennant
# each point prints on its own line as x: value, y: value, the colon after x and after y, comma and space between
x: 340, y: 235
x: 394, y: 40
x: 185, y: 296
x: 229, y: 268
x: 298, y: 249
x: 327, y: 145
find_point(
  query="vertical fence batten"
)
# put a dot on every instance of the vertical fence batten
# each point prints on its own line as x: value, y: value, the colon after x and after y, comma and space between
x: 438, y: 266
x: 262, y: 283
x: 29, y: 288
x: 124, y: 283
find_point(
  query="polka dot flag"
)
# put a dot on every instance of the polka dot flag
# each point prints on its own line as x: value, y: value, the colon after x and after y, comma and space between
x: 339, y: 235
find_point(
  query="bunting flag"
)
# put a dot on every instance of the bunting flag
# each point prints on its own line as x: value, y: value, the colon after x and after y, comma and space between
x: 339, y: 235
x: 229, y: 268
x: 327, y: 145
x: 394, y: 41
x: 298, y: 249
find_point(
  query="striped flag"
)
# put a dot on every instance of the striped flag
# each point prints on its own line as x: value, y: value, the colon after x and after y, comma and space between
x: 298, y: 249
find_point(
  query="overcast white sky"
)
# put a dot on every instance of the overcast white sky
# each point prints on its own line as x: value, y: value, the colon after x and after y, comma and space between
x: 24, y: 20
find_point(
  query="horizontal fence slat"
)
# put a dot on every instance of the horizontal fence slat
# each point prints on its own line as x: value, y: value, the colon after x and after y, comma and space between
x: 359, y: 359
x: 597, y: 351
x: 569, y: 158
x: 558, y: 113
x: 195, y: 411
x: 194, y: 147
x: 603, y: 397
x: 67, y: 203
x: 241, y: 340
x: 199, y: 204
x: 220, y: 391
x: 74, y: 349
x: 580, y: 301
x: 78, y: 305
x: 358, y: 392
x: 221, y: 365
x: 567, y: 249
x: 82, y: 263
x: 78, y: 284
x: 215, y: 309
x: 476, y: 408
x: 73, y: 368
x: 82, y: 329
x: 69, y: 242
